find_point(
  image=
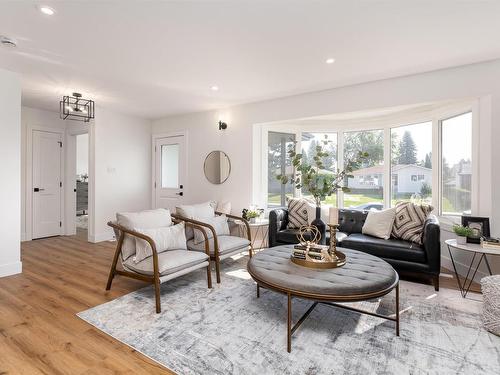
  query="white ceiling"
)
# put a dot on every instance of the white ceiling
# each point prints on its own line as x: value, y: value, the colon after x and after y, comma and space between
x: 157, y: 58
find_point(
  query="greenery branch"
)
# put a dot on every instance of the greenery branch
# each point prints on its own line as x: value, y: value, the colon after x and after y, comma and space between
x: 312, y: 175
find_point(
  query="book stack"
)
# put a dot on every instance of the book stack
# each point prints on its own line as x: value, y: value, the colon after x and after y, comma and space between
x: 491, y: 243
x: 299, y: 251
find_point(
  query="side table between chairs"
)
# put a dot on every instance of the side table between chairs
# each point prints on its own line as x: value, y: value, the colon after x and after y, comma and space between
x: 260, y: 226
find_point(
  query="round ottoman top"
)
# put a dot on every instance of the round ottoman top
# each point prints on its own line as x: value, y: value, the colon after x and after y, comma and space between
x: 363, y: 276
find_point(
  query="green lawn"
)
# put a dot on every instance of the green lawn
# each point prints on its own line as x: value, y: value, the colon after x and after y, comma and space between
x: 349, y: 199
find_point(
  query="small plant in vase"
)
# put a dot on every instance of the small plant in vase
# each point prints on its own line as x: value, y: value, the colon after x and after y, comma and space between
x: 320, y: 183
x: 462, y: 233
x: 251, y: 214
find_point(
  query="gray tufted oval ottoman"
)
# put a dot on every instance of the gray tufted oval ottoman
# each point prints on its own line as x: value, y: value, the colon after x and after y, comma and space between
x: 363, y: 277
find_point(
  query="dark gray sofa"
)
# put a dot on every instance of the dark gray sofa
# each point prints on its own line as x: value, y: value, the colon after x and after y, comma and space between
x: 408, y: 258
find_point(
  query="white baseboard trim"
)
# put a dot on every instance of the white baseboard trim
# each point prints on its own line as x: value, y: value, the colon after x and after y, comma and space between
x: 463, y: 268
x: 11, y: 269
x: 101, y: 237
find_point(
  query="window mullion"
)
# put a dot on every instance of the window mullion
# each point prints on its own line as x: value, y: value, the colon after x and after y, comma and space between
x: 340, y: 164
x: 387, y: 168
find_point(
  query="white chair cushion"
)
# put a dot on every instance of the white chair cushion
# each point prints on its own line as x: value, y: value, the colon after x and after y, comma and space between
x: 219, y: 223
x: 379, y: 223
x: 169, y: 262
x: 165, y: 238
x: 150, y: 219
x: 201, y: 210
x: 227, y: 244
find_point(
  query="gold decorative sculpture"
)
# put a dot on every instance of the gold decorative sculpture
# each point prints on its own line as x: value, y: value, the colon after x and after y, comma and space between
x: 309, y: 254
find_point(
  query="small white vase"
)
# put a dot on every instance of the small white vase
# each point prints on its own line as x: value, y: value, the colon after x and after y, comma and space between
x: 461, y: 240
x: 253, y: 220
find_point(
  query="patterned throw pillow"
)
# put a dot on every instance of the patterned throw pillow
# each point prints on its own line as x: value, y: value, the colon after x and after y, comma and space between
x: 409, y: 221
x: 297, y: 213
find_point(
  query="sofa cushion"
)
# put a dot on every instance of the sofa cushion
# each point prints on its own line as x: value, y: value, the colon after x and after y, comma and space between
x: 227, y: 244
x: 169, y: 262
x: 165, y: 238
x: 389, y: 249
x: 290, y: 236
x: 409, y: 221
x: 149, y: 219
x: 351, y: 221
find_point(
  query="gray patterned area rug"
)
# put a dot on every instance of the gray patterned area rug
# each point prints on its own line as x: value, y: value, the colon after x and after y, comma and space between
x: 227, y: 330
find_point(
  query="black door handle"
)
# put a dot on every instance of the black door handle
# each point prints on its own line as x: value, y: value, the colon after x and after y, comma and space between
x: 181, y: 193
x: 36, y: 190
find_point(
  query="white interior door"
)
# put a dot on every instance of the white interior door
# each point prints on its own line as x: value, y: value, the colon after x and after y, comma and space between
x: 170, y: 171
x: 47, y: 184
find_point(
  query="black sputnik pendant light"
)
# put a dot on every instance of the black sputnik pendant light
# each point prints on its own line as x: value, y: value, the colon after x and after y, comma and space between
x: 75, y: 108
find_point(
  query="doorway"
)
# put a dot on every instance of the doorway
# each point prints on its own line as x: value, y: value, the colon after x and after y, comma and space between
x: 82, y: 185
x: 169, y: 171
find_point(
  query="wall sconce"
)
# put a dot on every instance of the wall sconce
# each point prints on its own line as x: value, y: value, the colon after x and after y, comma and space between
x: 222, y: 125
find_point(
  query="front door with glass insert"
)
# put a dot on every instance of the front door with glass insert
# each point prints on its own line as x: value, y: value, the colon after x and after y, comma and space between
x: 170, y: 169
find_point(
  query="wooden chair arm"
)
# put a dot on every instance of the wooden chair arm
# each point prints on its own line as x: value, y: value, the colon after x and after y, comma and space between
x: 135, y: 234
x: 123, y: 230
x: 201, y: 225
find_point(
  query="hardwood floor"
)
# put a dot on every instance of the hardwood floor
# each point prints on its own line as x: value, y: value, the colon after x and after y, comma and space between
x: 39, y: 331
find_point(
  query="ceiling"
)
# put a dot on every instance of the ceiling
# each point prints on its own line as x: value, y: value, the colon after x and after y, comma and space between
x: 158, y: 58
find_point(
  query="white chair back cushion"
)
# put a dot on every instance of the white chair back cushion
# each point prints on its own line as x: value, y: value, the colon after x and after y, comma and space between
x: 165, y: 238
x: 218, y: 222
x: 148, y: 219
x: 201, y: 211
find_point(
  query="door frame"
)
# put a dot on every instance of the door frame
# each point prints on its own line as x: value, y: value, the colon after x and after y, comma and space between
x: 154, y: 138
x: 29, y: 176
x: 70, y: 195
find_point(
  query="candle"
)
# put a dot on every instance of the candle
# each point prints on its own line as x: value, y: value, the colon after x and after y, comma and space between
x: 333, y: 215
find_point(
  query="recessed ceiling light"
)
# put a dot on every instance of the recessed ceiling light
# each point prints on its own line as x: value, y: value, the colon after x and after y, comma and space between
x: 8, y: 42
x: 330, y: 60
x: 47, y: 10
x: 214, y: 88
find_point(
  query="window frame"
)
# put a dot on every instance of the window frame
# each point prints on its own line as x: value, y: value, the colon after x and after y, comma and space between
x: 435, y: 115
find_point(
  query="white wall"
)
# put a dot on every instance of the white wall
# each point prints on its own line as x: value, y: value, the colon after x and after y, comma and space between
x: 120, y: 161
x: 241, y: 138
x: 10, y: 170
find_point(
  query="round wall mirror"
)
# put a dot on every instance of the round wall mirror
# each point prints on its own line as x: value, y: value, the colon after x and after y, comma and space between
x: 217, y: 167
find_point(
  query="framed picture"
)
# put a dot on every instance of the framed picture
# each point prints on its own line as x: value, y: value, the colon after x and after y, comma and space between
x: 479, y: 225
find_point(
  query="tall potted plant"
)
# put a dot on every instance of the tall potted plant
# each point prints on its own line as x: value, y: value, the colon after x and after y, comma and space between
x: 319, y: 182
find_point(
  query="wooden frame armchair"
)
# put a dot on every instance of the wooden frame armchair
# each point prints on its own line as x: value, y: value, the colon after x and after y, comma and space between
x: 161, y: 270
x: 220, y: 251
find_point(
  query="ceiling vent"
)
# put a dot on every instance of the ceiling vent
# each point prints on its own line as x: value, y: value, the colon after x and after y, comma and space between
x: 8, y: 42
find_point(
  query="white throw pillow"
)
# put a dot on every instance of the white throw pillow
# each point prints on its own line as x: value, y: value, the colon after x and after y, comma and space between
x: 218, y: 222
x: 379, y: 223
x: 311, y: 212
x: 166, y: 238
x: 224, y: 207
x: 201, y: 210
x: 149, y: 219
